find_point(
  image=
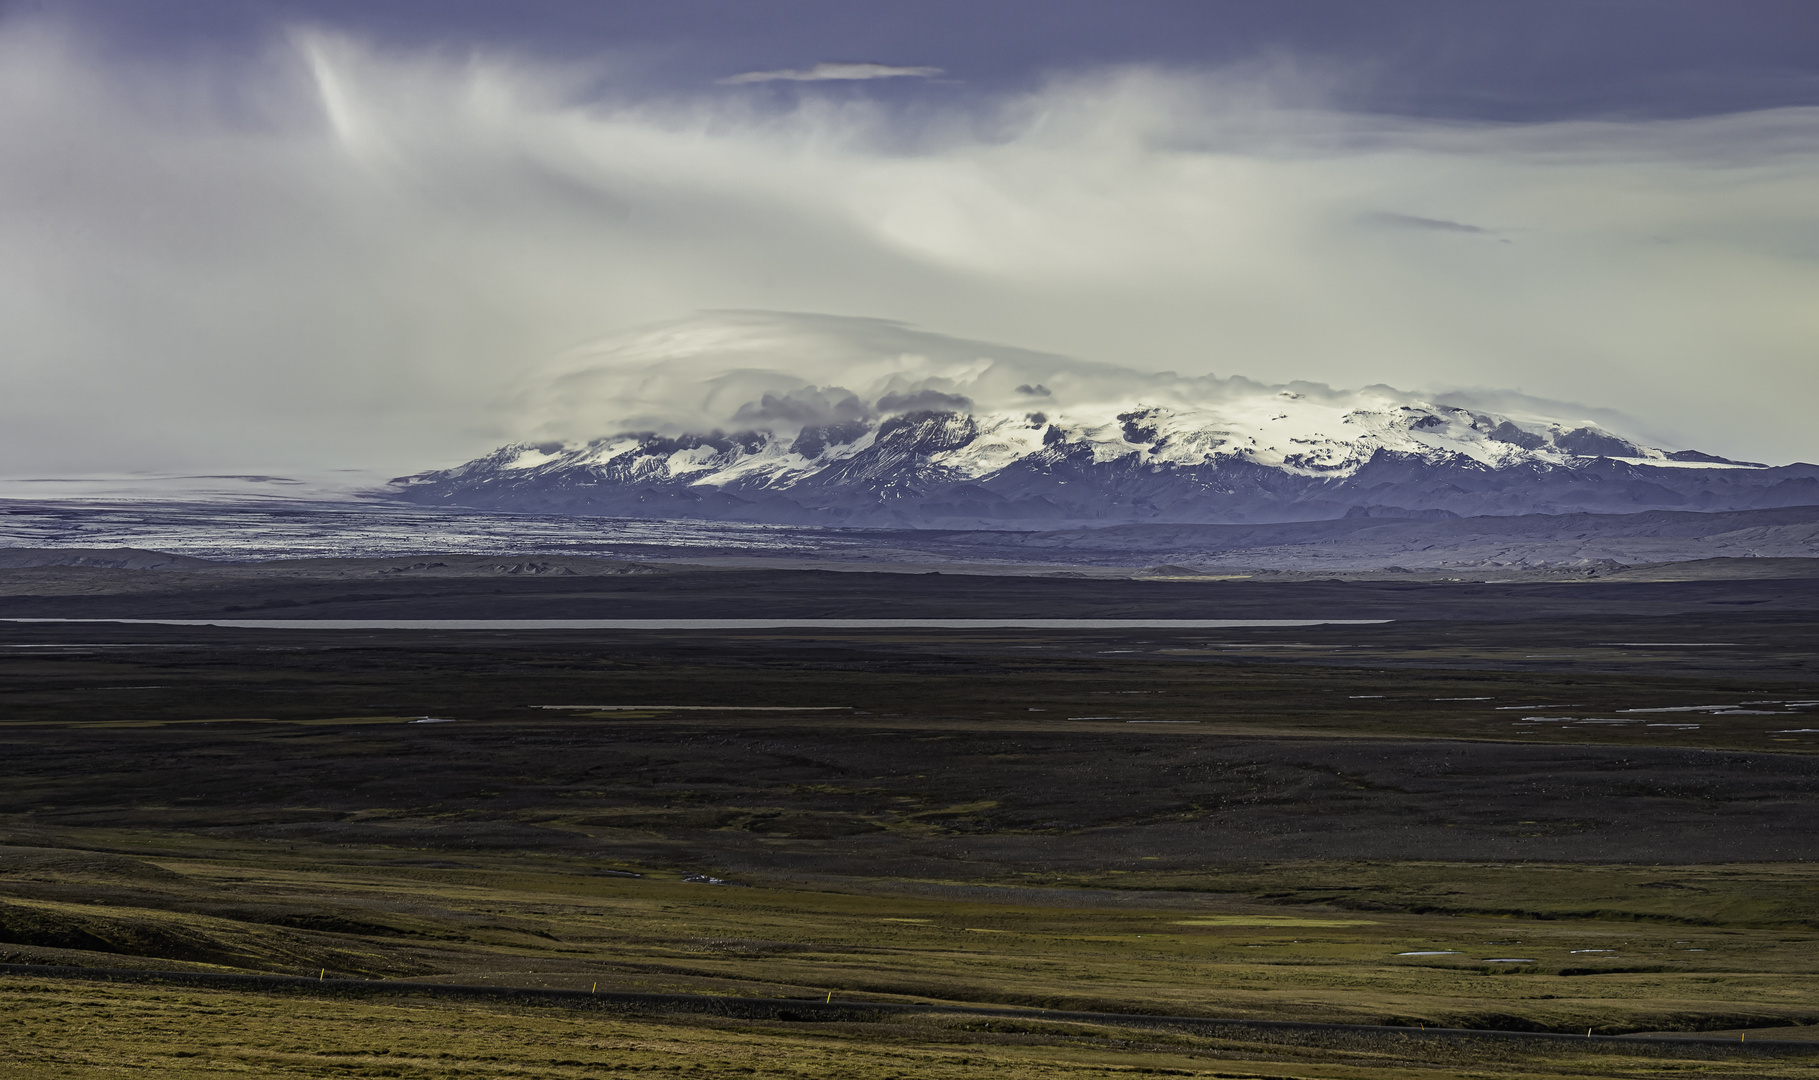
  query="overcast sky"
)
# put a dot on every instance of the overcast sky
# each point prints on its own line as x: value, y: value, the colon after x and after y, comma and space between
x: 241, y: 235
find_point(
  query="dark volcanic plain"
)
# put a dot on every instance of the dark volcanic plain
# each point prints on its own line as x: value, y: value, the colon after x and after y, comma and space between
x: 1568, y: 804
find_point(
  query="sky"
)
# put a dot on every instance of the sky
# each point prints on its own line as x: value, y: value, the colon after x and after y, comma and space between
x: 263, y: 235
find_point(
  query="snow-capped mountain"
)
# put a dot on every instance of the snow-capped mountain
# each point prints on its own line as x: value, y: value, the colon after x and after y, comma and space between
x: 1277, y: 457
x: 771, y: 417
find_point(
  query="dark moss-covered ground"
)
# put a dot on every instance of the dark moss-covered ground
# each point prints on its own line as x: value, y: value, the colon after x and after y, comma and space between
x: 1531, y: 811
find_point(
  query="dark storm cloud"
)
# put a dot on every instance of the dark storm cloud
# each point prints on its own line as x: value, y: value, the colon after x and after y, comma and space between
x: 918, y: 400
x: 1534, y: 60
x: 802, y: 406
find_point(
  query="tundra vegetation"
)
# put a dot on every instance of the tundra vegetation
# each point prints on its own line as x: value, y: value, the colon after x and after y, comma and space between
x: 1505, y: 823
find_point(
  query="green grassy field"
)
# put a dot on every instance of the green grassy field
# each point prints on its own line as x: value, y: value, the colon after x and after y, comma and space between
x: 66, y: 1029
x: 1560, y: 948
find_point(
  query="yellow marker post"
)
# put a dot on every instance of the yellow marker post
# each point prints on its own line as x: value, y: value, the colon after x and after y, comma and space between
x: 830, y: 997
x: 595, y: 989
x: 322, y: 976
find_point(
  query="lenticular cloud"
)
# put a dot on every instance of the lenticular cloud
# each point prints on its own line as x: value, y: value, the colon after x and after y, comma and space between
x: 780, y: 372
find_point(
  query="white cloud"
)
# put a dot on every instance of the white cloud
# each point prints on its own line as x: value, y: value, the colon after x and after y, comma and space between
x: 835, y: 73
x: 346, y: 257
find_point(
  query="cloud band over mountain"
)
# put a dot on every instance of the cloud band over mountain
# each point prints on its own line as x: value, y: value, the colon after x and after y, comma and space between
x: 781, y: 372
